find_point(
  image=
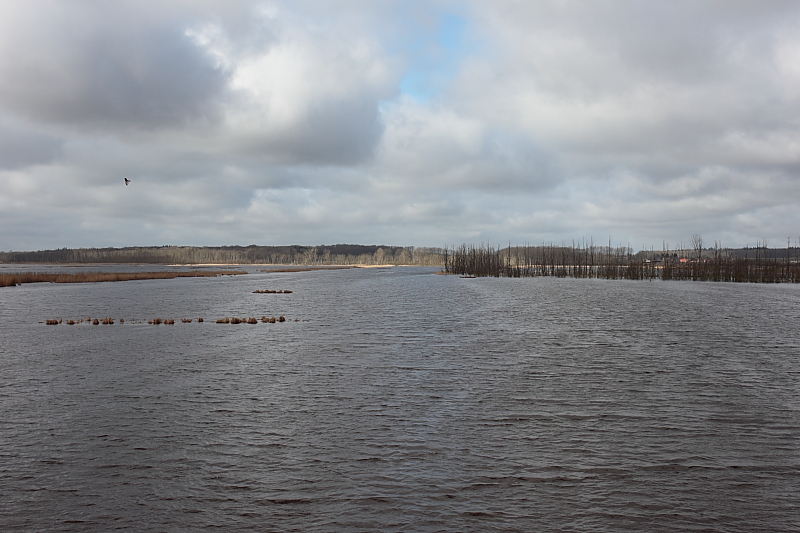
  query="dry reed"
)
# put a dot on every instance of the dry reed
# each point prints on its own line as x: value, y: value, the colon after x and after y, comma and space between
x: 271, y: 292
x: 10, y: 280
x: 156, y: 321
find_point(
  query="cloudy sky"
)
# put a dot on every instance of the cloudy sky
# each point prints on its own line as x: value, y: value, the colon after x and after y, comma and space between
x: 405, y: 123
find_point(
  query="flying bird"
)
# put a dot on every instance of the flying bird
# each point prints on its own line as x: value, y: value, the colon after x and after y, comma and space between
x: 127, y: 181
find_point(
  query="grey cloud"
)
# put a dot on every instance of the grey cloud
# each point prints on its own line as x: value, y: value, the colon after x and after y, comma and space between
x: 21, y: 146
x: 118, y: 68
x: 105, y: 66
x: 341, y: 131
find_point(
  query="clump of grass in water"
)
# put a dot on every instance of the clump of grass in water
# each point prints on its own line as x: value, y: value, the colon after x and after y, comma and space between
x: 269, y: 291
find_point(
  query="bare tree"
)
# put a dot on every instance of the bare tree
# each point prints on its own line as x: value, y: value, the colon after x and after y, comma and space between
x: 697, y: 246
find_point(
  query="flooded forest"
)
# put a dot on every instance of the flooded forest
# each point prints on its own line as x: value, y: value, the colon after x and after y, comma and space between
x: 749, y: 265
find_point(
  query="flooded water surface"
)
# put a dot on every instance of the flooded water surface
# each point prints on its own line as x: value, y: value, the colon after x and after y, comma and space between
x: 399, y: 400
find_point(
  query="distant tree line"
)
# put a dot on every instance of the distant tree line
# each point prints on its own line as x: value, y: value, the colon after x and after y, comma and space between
x: 338, y: 254
x: 587, y: 260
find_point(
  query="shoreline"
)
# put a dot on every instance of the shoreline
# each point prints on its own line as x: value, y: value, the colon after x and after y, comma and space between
x: 189, y: 265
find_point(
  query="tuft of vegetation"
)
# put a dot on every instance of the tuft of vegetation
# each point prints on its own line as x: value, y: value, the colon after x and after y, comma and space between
x: 168, y: 321
x: 271, y: 292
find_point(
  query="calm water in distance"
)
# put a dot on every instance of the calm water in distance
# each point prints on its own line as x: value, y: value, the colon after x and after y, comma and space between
x: 400, y: 401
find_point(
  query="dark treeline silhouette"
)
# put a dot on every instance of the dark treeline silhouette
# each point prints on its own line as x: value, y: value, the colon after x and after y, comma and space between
x: 590, y: 261
x: 338, y: 254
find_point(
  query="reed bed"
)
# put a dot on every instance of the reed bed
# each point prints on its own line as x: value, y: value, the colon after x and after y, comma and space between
x: 590, y: 261
x: 268, y: 291
x: 170, y: 321
x: 10, y: 280
x: 251, y: 320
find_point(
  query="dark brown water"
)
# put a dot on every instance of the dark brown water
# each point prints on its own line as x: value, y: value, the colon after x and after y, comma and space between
x: 401, y: 401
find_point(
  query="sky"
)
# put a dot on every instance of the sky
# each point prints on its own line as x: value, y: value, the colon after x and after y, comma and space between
x: 405, y: 123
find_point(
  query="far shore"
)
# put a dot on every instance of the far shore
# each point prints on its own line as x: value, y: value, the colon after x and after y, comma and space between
x: 189, y: 265
x: 282, y: 265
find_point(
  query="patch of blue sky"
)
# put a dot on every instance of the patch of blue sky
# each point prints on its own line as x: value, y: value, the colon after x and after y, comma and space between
x: 434, y: 57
